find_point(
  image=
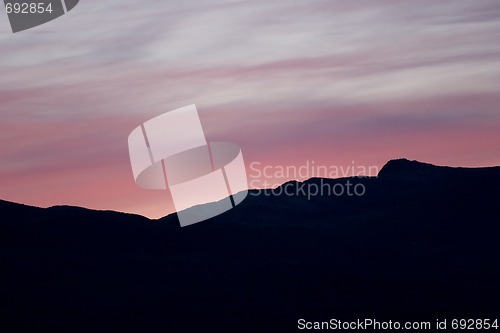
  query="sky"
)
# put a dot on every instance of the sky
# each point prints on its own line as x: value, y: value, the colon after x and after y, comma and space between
x: 336, y: 83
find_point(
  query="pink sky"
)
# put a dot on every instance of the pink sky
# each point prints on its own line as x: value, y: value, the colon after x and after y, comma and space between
x: 325, y: 81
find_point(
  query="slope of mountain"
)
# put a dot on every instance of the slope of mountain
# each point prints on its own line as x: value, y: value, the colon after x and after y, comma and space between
x: 420, y: 244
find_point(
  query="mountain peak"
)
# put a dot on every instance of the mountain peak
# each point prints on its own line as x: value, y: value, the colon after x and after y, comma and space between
x: 404, y: 166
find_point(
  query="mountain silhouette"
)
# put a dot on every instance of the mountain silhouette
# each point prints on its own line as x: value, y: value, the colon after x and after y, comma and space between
x: 420, y: 244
